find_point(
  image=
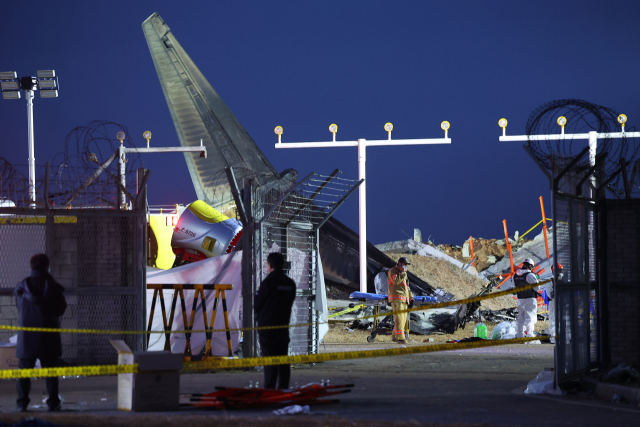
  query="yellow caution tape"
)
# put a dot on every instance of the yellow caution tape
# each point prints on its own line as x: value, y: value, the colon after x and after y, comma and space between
x: 531, y: 229
x: 71, y: 371
x: 40, y: 220
x: 326, y: 357
x: 260, y: 328
x: 226, y: 363
x: 350, y: 309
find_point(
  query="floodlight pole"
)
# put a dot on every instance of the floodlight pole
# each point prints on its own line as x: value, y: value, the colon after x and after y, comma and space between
x: 32, y: 156
x: 362, y: 145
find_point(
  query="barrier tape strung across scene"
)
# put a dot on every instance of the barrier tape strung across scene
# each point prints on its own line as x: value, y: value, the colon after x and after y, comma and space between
x: 531, y: 229
x: 224, y: 363
x: 326, y: 357
x: 259, y: 328
x: 68, y: 371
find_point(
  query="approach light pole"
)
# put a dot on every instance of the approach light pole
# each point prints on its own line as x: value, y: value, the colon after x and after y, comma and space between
x: 362, y: 145
x: 47, y: 82
x: 592, y: 137
x: 122, y: 157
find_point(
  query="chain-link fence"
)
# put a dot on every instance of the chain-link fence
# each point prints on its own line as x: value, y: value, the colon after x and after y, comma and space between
x: 97, y: 255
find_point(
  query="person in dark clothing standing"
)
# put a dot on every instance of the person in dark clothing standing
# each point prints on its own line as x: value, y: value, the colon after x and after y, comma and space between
x: 40, y: 303
x: 273, y: 308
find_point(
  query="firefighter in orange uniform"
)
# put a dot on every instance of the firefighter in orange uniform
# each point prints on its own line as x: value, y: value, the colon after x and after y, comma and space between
x: 399, y: 296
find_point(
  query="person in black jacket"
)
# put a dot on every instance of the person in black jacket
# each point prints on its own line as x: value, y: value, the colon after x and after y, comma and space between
x: 40, y: 303
x: 273, y: 304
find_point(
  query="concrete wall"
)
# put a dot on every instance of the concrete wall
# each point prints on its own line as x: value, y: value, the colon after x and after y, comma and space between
x: 623, y: 277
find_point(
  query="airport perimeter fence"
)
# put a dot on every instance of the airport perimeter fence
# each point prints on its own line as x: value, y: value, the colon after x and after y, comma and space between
x: 97, y: 255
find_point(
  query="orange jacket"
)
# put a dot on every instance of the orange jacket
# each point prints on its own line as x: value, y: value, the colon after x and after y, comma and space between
x: 398, y: 285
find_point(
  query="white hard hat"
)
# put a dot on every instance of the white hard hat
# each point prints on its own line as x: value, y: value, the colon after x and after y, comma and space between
x: 529, y: 261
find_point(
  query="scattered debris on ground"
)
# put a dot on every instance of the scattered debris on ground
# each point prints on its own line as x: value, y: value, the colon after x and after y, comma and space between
x: 341, y: 333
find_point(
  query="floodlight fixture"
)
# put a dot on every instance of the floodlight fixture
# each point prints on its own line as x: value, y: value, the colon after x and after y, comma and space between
x: 47, y: 93
x: 278, y: 130
x: 46, y: 74
x: 11, y: 95
x: 333, y: 128
x: 10, y: 85
x: 6, y: 75
x: 445, y: 127
x: 47, y: 84
x: 120, y: 136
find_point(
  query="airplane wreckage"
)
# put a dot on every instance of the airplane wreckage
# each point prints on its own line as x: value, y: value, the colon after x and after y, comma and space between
x: 280, y: 209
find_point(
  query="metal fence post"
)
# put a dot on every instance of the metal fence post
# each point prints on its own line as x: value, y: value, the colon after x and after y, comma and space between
x: 49, y: 225
x: 248, y: 340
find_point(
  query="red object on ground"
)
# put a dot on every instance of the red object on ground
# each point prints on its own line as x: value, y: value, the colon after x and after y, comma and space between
x: 239, y: 398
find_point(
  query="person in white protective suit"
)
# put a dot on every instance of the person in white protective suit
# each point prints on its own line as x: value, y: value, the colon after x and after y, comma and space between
x: 550, y: 288
x: 527, y: 300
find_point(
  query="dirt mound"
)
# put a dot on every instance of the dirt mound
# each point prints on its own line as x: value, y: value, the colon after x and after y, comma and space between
x: 483, y: 249
x: 440, y: 273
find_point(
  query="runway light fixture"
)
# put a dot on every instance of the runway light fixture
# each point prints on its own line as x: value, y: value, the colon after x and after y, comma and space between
x: 622, y: 119
x: 503, y: 124
x: 445, y: 127
x: 278, y: 131
x: 388, y: 127
x: 562, y: 120
x: 333, y: 128
x: 147, y: 135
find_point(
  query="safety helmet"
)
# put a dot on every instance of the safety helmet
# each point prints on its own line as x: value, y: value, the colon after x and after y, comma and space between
x: 529, y: 261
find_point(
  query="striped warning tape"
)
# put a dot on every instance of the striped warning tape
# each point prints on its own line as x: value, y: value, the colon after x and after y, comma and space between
x: 39, y: 220
x: 260, y: 328
x: 227, y: 363
x: 347, y: 310
x: 326, y: 357
x: 71, y: 371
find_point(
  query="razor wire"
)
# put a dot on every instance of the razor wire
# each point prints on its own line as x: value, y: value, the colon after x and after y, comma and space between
x: 582, y: 117
x: 86, y: 149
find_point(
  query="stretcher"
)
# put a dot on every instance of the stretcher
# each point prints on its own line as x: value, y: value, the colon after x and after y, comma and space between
x: 242, y: 398
x: 377, y: 301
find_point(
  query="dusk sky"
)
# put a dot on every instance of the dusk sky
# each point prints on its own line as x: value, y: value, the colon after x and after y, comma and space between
x: 359, y: 64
